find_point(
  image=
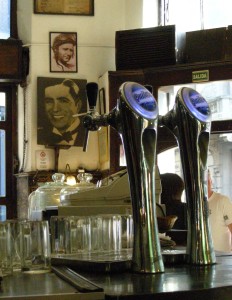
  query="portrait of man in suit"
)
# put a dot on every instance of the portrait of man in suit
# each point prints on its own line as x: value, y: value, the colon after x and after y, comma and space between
x: 59, y: 101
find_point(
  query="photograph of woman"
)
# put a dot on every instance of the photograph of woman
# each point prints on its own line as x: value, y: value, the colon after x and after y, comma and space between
x: 63, y: 52
x: 59, y: 100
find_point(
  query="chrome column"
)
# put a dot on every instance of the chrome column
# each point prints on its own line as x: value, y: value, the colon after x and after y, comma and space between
x: 136, y: 119
x: 190, y: 122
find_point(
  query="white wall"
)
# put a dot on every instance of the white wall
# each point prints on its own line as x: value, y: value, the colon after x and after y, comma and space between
x: 96, y: 55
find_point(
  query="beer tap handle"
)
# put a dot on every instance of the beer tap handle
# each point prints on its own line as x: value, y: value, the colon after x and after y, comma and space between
x: 92, y: 93
x: 149, y: 88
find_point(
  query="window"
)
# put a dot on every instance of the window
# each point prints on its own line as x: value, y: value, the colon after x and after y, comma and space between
x: 8, y: 116
x: 8, y: 147
x: 2, y: 147
x: 5, y: 19
x: 188, y: 15
x: 218, y: 94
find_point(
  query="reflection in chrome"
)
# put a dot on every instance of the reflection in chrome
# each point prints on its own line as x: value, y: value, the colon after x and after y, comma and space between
x: 191, y: 128
x: 137, y: 125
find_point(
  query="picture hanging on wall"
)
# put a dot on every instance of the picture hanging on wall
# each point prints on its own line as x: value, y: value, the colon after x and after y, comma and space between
x: 63, y: 52
x: 64, y: 7
x: 61, y: 104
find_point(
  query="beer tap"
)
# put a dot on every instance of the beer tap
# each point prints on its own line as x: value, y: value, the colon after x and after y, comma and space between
x: 91, y: 119
x: 135, y: 118
x: 190, y: 122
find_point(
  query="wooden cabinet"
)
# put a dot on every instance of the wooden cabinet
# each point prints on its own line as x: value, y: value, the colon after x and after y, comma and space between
x: 13, y: 61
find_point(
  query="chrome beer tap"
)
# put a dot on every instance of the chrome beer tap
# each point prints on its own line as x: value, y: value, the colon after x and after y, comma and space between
x: 135, y: 117
x: 190, y: 122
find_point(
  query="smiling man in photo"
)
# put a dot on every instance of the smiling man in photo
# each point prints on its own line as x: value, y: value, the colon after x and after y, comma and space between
x: 61, y: 102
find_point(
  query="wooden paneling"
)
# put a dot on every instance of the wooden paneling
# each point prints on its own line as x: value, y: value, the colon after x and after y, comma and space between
x: 10, y: 60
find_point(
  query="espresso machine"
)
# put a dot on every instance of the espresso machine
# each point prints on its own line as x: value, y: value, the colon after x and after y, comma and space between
x: 135, y: 118
x: 190, y: 122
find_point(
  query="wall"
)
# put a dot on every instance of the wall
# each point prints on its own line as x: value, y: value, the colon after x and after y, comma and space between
x: 96, y: 55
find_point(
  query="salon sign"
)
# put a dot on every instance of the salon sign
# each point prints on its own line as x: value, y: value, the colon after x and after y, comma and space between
x: 200, y: 76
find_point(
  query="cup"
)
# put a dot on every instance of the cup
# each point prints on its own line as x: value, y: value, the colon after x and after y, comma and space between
x: 35, y: 248
x: 111, y: 233
x: 6, y: 253
x: 83, y: 235
x: 96, y: 233
x: 16, y: 257
x: 127, y: 231
x: 61, y: 229
x: 70, y: 234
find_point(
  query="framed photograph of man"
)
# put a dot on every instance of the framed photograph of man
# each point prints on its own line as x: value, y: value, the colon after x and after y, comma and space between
x: 63, y: 52
x: 61, y: 104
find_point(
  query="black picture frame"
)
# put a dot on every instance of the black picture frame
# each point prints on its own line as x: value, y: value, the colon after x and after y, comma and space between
x: 61, y: 45
x: 66, y: 7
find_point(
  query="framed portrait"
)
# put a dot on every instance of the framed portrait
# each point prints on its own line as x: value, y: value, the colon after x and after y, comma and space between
x: 63, y: 52
x: 64, y: 7
x: 61, y: 104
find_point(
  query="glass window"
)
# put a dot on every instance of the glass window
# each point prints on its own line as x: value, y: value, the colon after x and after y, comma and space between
x: 216, y: 13
x: 150, y: 15
x: 2, y: 146
x: 5, y: 19
x: 219, y: 162
x: 2, y: 107
x: 218, y: 94
x: 2, y: 164
x: 188, y: 15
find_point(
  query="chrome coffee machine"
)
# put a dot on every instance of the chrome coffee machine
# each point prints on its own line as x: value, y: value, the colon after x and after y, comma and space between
x: 135, y: 117
x: 190, y: 122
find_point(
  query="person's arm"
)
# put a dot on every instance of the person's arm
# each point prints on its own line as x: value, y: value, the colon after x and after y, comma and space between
x: 230, y: 227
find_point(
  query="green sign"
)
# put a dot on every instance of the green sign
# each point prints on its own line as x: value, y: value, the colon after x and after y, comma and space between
x: 199, y: 76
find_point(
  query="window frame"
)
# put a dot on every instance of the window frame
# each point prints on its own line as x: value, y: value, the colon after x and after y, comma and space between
x: 13, y: 19
x: 10, y: 127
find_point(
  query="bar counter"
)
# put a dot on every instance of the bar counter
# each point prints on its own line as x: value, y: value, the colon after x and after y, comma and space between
x: 177, y: 282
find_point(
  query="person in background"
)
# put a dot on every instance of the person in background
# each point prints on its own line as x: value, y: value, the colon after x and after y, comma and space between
x: 64, y: 52
x: 220, y: 217
x: 172, y: 189
x: 61, y: 102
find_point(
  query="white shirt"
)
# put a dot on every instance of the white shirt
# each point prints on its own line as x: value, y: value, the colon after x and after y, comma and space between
x: 220, y: 216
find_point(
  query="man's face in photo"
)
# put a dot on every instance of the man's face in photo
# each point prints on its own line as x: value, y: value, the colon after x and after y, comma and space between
x: 60, y: 106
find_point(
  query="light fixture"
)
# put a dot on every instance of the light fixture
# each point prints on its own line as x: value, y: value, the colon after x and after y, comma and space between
x: 70, y: 179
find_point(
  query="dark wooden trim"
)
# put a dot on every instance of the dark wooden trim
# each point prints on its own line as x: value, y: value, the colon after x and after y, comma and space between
x: 10, y: 200
x: 13, y: 18
x: 165, y: 76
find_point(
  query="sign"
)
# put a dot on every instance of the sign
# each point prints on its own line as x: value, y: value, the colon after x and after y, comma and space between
x: 200, y: 76
x: 43, y: 160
